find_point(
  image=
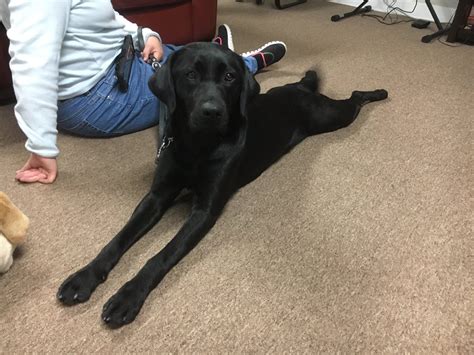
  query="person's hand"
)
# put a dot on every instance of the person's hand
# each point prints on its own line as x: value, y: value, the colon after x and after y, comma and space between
x: 153, y: 47
x: 38, y: 169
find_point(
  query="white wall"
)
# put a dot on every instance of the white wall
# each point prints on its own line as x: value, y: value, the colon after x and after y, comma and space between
x: 444, y: 8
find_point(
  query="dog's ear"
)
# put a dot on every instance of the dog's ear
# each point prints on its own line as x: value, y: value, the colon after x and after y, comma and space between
x: 162, y: 85
x: 250, y: 89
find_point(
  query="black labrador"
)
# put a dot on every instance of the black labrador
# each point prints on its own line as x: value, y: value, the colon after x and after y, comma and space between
x: 221, y: 135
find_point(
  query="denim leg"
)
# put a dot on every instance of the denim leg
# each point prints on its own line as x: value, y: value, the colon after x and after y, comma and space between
x: 105, y: 111
x: 167, y: 50
x: 251, y: 64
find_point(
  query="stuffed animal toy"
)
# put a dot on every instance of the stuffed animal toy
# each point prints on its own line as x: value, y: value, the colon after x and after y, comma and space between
x: 13, y: 227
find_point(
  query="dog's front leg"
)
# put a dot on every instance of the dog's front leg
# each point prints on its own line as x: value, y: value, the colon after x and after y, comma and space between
x: 79, y: 286
x: 123, y: 307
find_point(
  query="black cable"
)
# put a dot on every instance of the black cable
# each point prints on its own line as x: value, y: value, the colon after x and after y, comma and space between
x: 392, y: 8
x: 396, y: 8
x: 388, y: 14
x: 381, y: 20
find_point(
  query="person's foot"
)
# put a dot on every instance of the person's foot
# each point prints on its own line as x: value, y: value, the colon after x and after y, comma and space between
x: 268, y: 54
x: 224, y: 37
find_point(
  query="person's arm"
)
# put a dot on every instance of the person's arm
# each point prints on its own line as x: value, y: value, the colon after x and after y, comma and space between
x: 36, y: 34
x: 152, y: 40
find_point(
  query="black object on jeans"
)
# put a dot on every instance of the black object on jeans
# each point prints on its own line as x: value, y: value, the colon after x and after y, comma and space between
x: 123, y: 63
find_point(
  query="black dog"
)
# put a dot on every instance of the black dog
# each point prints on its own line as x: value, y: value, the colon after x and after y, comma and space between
x: 224, y: 136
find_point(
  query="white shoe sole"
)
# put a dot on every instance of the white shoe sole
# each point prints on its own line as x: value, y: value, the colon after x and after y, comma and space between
x: 230, y: 43
x: 248, y: 54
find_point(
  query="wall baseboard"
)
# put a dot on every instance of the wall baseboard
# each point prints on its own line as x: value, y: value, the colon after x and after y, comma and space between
x: 444, y: 13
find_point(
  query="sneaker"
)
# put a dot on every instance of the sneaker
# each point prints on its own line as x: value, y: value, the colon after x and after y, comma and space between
x: 224, y: 37
x: 268, y: 54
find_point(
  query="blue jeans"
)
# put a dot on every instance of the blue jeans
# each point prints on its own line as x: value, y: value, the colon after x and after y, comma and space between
x: 105, y: 111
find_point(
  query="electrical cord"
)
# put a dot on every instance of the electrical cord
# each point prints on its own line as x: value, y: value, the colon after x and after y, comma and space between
x: 391, y: 8
x: 395, y: 9
x: 382, y: 20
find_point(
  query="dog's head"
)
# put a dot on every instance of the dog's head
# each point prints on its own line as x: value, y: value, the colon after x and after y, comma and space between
x: 207, y: 84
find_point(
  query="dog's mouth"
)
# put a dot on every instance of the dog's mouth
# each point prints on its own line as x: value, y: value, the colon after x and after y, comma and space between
x: 203, y: 127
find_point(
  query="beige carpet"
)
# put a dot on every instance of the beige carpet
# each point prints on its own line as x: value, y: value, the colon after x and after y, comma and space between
x: 357, y: 241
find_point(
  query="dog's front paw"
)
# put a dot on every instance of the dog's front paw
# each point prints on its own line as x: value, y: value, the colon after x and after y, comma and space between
x: 78, y: 287
x: 124, y: 306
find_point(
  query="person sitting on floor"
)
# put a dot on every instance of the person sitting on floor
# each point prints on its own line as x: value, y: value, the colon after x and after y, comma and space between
x: 62, y: 64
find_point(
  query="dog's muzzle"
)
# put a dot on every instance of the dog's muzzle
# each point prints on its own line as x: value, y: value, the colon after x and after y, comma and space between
x: 210, y: 116
x: 211, y: 111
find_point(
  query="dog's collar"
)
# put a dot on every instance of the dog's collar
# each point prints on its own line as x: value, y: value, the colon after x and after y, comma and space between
x: 166, y: 142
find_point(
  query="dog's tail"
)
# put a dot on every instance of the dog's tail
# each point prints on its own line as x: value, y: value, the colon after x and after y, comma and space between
x: 311, y: 81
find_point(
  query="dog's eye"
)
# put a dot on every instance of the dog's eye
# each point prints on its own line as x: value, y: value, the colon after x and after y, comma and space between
x: 229, y: 77
x: 191, y: 75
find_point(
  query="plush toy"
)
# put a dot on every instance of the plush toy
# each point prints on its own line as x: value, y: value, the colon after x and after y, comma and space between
x: 13, y: 227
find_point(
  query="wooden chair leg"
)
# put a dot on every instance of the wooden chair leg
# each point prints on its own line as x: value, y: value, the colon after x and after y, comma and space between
x: 460, y: 19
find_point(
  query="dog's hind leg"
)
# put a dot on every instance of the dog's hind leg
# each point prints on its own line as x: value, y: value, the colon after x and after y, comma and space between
x: 364, y: 97
x: 79, y: 286
x: 329, y: 115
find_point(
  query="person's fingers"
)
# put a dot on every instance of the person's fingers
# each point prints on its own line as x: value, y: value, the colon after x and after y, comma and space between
x: 158, y: 54
x: 25, y: 167
x: 20, y: 174
x: 29, y: 179
x: 30, y: 176
x: 146, y: 53
x: 30, y: 172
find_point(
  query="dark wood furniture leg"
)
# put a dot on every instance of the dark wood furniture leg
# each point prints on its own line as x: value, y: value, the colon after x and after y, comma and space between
x: 457, y: 31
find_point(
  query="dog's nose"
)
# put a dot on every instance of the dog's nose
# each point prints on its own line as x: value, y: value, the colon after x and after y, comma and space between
x: 211, y: 110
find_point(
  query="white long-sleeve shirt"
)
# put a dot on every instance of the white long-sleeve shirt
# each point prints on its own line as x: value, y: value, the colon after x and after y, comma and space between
x: 59, y: 49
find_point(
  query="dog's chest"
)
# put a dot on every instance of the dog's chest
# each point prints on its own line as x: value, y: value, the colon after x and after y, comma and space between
x: 209, y: 165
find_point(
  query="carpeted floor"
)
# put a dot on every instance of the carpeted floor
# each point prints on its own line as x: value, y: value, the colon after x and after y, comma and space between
x: 356, y: 241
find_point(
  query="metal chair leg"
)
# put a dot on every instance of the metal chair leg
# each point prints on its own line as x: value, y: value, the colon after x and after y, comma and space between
x: 441, y: 31
x: 359, y: 10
